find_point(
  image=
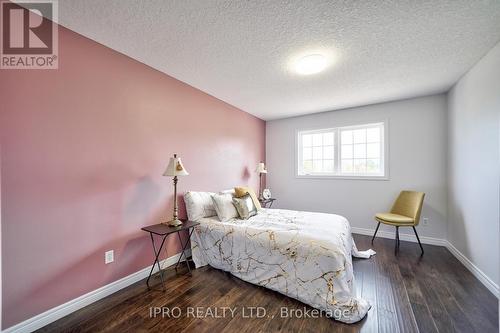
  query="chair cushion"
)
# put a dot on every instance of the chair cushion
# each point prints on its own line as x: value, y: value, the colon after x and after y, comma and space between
x: 393, y: 218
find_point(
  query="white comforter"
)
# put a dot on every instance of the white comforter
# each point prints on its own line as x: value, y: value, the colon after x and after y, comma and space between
x: 304, y: 255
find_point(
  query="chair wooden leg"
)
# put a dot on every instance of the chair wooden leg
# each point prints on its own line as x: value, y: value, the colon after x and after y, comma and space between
x: 418, y: 239
x: 378, y: 225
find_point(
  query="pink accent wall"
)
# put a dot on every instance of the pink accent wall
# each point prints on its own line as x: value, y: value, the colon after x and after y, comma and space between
x: 83, y: 150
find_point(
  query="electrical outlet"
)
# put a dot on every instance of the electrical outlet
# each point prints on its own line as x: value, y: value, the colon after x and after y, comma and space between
x: 109, y: 257
x: 426, y: 221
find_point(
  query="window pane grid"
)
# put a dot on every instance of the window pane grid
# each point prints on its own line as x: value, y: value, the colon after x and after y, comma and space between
x: 357, y: 150
x: 318, y: 152
x: 360, y: 151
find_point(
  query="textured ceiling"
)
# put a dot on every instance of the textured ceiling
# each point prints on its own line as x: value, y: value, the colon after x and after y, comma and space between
x: 239, y: 51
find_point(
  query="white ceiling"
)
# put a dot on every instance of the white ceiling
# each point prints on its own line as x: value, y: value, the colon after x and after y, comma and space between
x: 239, y: 51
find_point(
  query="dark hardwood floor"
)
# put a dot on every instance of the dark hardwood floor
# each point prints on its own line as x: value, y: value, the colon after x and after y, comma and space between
x: 408, y: 293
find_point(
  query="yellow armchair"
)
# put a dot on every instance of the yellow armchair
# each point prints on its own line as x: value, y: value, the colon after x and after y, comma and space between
x: 404, y: 213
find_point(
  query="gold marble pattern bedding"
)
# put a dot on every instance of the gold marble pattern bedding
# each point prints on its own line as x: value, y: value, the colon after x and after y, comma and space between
x: 303, y: 255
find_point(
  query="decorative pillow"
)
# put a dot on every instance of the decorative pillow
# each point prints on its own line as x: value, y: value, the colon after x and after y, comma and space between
x: 224, y: 206
x: 199, y: 205
x: 243, y: 190
x: 245, y: 206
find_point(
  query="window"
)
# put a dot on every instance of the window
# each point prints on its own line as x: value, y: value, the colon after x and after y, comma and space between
x: 352, y: 151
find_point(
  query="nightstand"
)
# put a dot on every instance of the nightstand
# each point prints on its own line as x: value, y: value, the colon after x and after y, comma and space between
x: 266, y: 203
x: 163, y: 230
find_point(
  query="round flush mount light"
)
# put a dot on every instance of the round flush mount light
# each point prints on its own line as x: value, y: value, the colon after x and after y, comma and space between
x: 310, y: 64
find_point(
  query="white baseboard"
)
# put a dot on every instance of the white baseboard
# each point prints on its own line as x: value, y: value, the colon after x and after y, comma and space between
x: 65, y: 309
x: 479, y: 274
x: 404, y: 237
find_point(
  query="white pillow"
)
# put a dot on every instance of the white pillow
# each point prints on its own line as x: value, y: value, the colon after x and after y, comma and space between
x: 231, y: 191
x: 224, y: 206
x: 199, y: 205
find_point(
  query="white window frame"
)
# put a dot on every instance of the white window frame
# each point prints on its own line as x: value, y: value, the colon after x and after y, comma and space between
x: 337, y: 146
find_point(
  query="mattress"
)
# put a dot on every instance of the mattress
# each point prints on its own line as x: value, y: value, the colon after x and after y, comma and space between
x: 304, y: 255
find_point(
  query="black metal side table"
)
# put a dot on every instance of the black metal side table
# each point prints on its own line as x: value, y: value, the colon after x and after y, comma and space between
x: 267, y: 203
x: 163, y: 231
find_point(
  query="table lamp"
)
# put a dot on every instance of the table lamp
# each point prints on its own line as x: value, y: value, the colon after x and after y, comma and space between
x: 261, y: 169
x: 174, y: 169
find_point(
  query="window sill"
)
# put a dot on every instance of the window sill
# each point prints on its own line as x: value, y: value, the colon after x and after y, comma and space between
x: 345, y: 177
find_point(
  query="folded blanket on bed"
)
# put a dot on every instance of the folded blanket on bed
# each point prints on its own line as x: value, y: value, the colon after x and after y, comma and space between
x: 303, y: 255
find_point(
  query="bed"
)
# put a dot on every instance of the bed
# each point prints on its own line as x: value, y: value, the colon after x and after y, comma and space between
x: 304, y: 255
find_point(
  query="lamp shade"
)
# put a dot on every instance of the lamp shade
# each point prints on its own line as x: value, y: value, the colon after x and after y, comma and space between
x: 261, y: 168
x: 175, y: 167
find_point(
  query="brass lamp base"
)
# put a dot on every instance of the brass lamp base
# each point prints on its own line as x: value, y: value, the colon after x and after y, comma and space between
x: 174, y: 223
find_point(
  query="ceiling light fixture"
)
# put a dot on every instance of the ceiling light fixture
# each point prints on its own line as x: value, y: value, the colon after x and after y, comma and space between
x: 311, y: 64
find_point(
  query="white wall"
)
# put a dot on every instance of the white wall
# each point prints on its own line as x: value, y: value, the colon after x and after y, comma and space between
x: 474, y: 111
x: 417, y: 155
